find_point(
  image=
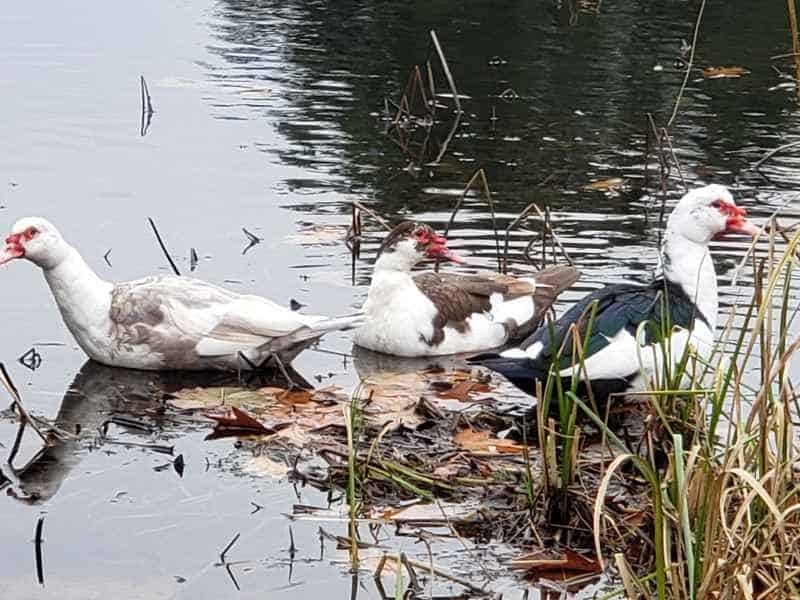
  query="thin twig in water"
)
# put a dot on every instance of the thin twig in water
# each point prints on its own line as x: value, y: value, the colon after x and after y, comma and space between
x: 147, y: 107
x: 193, y: 260
x: 383, y: 222
x: 674, y: 158
x: 228, y: 547
x: 549, y: 229
x: 147, y: 103
x: 163, y: 247
x: 446, y: 70
x: 252, y: 239
x: 528, y: 209
x: 689, y: 65
x: 480, y: 173
x: 12, y: 390
x: 106, y: 257
x: 773, y: 152
x: 38, y: 542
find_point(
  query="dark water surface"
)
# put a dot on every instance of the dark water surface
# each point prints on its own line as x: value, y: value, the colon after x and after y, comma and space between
x: 269, y: 116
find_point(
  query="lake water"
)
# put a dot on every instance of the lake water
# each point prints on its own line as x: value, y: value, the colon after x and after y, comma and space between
x: 270, y: 116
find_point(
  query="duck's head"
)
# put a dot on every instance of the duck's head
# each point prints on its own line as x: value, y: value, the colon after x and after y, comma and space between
x: 709, y: 212
x: 410, y: 243
x: 37, y: 240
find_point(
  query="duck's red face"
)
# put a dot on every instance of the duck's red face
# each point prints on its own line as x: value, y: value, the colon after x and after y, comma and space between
x: 435, y: 245
x: 15, y: 244
x: 735, y: 218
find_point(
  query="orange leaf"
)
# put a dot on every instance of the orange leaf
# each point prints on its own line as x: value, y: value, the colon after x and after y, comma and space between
x: 564, y: 566
x: 240, y: 422
x: 481, y: 441
x: 724, y: 72
x: 461, y: 391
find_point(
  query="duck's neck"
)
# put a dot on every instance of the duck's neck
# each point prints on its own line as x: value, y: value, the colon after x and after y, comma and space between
x: 690, y: 265
x: 393, y: 263
x: 82, y: 297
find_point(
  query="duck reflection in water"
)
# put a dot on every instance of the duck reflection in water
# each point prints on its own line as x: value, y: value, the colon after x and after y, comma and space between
x: 98, y: 399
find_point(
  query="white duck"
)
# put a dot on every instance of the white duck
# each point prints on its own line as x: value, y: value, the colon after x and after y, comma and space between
x: 162, y: 322
x: 614, y: 357
x: 431, y: 314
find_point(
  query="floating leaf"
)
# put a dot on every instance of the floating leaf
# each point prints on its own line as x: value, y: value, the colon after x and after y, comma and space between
x: 605, y: 185
x: 239, y: 424
x: 724, y: 72
x: 481, y: 441
x: 462, y: 391
x: 566, y: 565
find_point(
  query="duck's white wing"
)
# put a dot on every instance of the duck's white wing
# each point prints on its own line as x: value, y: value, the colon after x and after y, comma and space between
x: 178, y: 314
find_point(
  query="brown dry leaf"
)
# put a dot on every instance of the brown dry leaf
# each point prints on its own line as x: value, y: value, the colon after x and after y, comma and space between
x: 239, y: 423
x: 296, y: 396
x: 605, y: 185
x: 462, y: 390
x: 564, y: 566
x: 481, y: 441
x: 724, y: 72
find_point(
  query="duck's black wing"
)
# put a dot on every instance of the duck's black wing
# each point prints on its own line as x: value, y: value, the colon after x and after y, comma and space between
x: 621, y: 307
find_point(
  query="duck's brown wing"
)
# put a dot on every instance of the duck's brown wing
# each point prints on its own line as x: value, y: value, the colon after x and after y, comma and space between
x: 457, y: 297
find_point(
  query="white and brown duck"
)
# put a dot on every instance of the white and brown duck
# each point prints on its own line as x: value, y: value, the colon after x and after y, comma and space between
x: 163, y: 322
x: 430, y: 314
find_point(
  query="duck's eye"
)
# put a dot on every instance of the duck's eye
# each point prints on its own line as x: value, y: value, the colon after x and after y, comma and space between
x: 717, y: 204
x: 421, y: 234
x: 30, y: 233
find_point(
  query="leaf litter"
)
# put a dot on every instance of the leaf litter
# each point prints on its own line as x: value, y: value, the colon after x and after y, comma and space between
x: 435, y: 454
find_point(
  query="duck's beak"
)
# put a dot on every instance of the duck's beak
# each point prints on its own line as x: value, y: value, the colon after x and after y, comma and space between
x: 439, y: 250
x: 12, y: 250
x: 737, y: 223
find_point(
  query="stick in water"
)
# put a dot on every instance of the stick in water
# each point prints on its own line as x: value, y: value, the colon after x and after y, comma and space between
x: 164, y: 248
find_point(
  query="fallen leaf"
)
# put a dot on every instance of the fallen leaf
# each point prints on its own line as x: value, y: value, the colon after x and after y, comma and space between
x: 296, y: 396
x: 481, y: 441
x: 605, y: 185
x: 724, y: 72
x: 564, y: 566
x: 461, y: 391
x: 239, y: 423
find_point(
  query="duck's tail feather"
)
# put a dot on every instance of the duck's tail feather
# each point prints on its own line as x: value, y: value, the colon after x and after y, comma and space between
x: 529, y: 298
x: 304, y: 336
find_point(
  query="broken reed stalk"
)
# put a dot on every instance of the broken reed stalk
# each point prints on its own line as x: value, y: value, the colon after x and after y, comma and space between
x: 379, y: 219
x: 446, y: 68
x: 775, y: 151
x: 350, y: 412
x: 38, y: 551
x: 525, y: 212
x: 689, y: 65
x: 792, y: 8
x: 480, y: 173
x: 431, y: 569
x: 5, y: 379
x: 163, y: 247
x: 548, y: 228
x: 228, y: 547
x: 147, y: 103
